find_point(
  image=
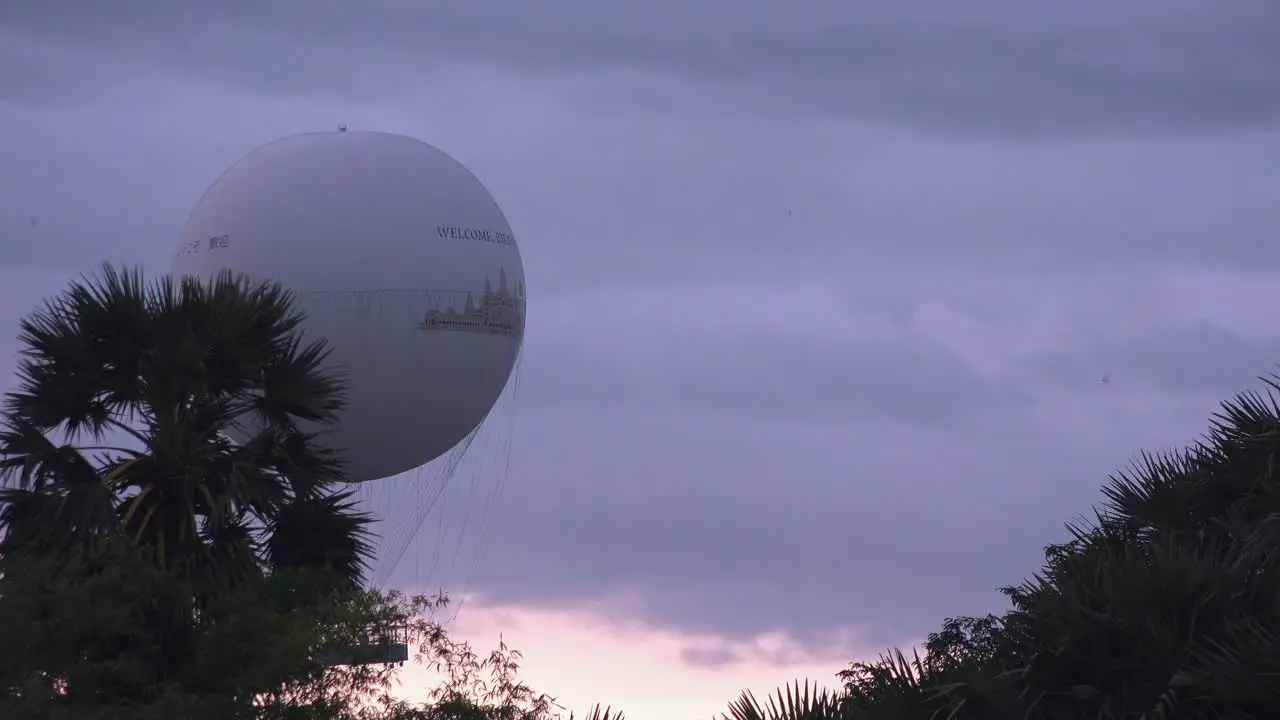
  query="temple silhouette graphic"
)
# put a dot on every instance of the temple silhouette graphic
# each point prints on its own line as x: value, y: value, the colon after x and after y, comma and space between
x: 496, y: 312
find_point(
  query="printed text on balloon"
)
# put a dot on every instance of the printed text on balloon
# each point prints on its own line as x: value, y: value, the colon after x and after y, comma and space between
x: 451, y: 232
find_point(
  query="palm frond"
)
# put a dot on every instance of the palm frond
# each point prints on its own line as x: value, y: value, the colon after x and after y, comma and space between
x: 790, y: 702
x: 599, y: 712
x: 321, y: 531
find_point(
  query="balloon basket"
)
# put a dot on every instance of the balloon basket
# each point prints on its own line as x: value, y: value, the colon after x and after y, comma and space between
x: 381, y: 647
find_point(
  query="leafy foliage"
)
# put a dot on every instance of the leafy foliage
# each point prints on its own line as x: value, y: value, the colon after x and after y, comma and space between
x: 75, y: 646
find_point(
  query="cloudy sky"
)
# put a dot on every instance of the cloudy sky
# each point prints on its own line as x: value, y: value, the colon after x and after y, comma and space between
x: 822, y: 294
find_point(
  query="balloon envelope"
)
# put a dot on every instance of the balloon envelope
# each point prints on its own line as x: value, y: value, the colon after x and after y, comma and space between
x: 401, y: 260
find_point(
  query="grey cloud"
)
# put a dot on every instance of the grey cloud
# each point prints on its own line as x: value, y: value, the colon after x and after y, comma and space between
x: 734, y: 528
x: 711, y: 658
x: 776, y: 375
x: 1194, y: 359
x: 686, y: 198
x: 798, y: 376
x: 39, y: 74
x: 75, y: 248
x: 995, y: 70
x: 720, y: 525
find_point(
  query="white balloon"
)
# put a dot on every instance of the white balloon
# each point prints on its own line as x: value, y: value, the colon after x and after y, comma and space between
x: 402, y: 261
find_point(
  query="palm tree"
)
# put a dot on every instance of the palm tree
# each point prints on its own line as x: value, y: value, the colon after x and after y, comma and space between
x: 1166, y: 604
x: 119, y: 427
